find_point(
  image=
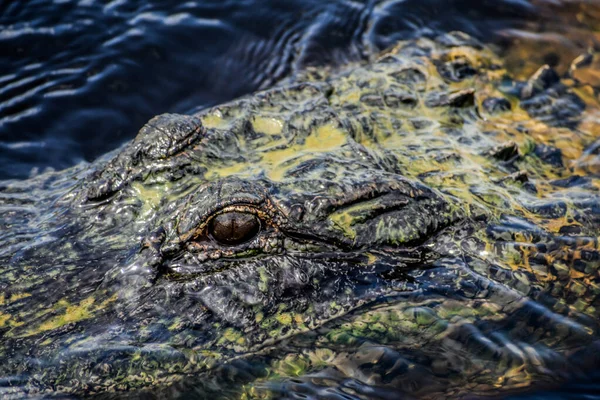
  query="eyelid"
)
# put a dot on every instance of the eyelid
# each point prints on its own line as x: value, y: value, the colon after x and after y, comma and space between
x: 195, y: 225
x: 241, y: 208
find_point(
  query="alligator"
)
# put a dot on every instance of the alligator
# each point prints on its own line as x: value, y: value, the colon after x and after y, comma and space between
x: 422, y: 225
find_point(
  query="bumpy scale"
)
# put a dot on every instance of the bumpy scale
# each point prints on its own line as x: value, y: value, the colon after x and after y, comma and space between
x: 421, y: 225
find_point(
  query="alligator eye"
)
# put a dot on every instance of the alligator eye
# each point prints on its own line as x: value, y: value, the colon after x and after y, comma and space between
x: 234, y: 227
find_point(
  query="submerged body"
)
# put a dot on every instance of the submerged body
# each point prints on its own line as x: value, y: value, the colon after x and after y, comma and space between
x: 421, y: 225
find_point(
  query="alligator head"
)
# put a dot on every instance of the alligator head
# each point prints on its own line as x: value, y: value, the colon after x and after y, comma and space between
x: 396, y: 227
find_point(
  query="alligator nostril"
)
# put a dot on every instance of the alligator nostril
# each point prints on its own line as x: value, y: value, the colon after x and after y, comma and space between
x: 167, y: 134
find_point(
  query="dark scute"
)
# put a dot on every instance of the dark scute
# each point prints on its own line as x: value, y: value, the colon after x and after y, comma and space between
x: 549, y: 154
x: 399, y: 100
x: 547, y: 99
x: 102, y: 189
x: 463, y: 98
x: 418, y: 123
x: 544, y: 78
x: 167, y: 134
x: 589, y: 205
x: 583, y: 61
x: 456, y: 70
x: 409, y: 76
x: 495, y: 105
x: 572, y: 181
x: 594, y: 148
x: 372, y: 100
x: 459, y: 99
x: 549, y: 209
x: 232, y: 228
x: 505, y: 152
x: 570, y: 230
x: 555, y: 107
x: 388, y: 59
x: 519, y: 176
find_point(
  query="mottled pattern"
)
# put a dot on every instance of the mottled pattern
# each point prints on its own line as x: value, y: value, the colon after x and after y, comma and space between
x: 428, y: 228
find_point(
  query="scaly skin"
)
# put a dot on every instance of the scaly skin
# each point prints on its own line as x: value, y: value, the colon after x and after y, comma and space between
x: 428, y: 228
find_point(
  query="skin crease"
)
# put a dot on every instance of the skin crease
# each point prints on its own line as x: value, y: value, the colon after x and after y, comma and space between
x: 420, y: 226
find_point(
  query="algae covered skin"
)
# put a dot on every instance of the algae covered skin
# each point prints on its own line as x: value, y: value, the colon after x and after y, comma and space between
x: 420, y: 226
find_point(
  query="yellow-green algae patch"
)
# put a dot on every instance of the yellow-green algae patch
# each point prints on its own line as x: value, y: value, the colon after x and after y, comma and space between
x: 68, y: 313
x: 343, y: 221
x: 267, y: 125
x: 284, y: 318
x: 275, y: 160
x: 232, y: 335
x: 150, y: 197
x: 18, y: 296
x: 214, y: 120
x: 217, y: 172
x: 322, y: 139
x: 4, y: 319
x: 326, y: 137
x: 13, y: 297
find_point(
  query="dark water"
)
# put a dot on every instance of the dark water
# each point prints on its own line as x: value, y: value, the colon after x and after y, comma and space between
x: 78, y: 78
x: 569, y: 392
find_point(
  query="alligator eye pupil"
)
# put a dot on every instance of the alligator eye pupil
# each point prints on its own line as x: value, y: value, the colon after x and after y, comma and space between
x: 234, y: 227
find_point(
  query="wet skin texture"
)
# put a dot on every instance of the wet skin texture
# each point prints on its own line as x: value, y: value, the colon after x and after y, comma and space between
x: 421, y: 225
